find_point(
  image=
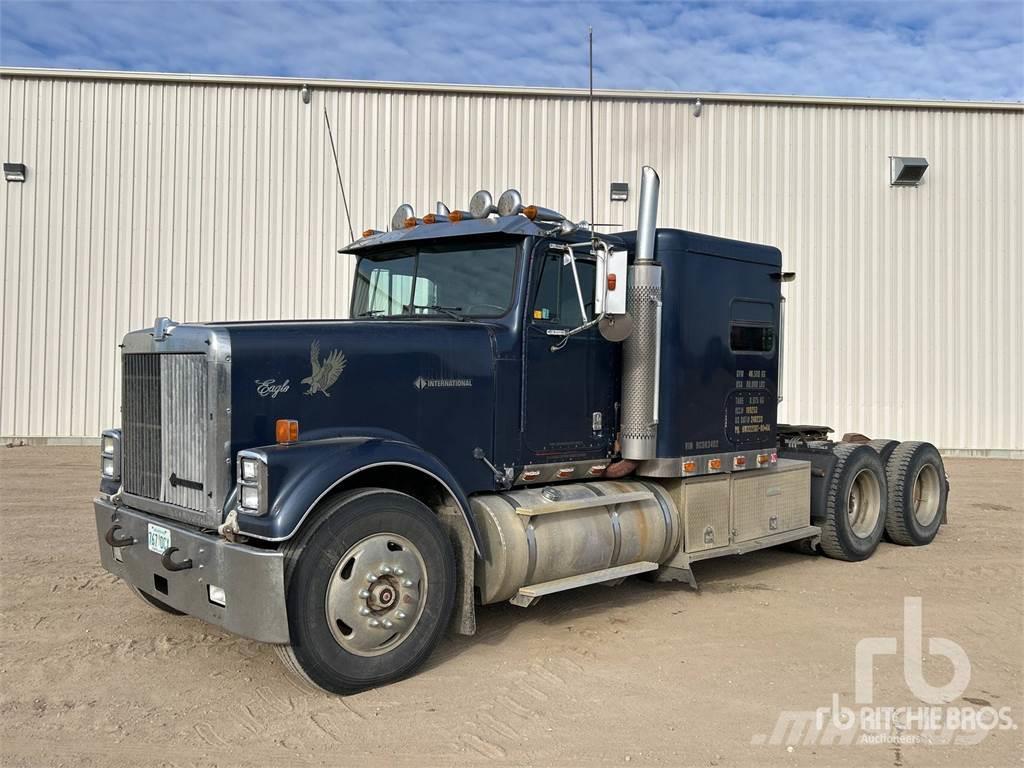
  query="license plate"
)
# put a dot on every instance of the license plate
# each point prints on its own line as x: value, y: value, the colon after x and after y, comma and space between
x: 159, y: 539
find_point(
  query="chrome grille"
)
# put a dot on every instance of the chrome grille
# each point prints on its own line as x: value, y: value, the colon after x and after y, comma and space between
x: 164, y: 424
x: 183, y: 433
x: 140, y: 414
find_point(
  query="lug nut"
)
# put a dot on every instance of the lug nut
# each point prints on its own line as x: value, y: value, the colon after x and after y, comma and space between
x: 407, y: 583
x: 399, y: 572
x: 387, y: 624
x: 399, y: 615
x: 385, y: 569
x: 364, y: 593
x: 374, y: 623
x: 364, y: 611
x: 371, y: 577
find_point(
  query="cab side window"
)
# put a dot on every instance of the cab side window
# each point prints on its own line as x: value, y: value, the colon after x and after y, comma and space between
x: 555, y: 299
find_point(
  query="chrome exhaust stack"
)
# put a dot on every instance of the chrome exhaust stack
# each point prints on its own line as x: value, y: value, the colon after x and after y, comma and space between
x: 641, y: 352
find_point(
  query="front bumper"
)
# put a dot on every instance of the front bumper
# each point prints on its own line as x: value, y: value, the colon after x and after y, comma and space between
x: 252, y: 579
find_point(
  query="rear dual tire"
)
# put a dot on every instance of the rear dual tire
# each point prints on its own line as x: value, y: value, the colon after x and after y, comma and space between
x: 855, y: 507
x: 917, y: 494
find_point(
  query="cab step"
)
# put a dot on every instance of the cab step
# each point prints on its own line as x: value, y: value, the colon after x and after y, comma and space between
x: 527, y: 596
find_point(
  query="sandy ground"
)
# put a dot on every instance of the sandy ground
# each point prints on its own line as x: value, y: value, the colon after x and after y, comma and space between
x: 640, y: 674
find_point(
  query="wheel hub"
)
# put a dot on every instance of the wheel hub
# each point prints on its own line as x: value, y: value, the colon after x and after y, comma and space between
x: 863, y: 505
x: 376, y: 594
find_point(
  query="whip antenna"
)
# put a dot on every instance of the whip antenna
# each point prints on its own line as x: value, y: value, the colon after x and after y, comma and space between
x: 337, y: 167
x: 593, y: 204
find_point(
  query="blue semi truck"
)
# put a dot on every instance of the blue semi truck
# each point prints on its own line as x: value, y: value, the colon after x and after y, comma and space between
x: 516, y: 406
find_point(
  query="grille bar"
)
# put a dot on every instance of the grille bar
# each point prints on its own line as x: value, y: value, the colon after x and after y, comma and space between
x: 164, y: 423
x: 141, y: 425
x: 183, y: 436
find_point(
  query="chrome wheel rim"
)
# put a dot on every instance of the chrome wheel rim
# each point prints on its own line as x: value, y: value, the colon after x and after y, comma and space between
x: 376, y: 594
x: 927, y: 491
x: 864, y: 504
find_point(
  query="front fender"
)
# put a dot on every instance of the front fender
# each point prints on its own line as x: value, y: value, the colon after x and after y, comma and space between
x: 300, y: 474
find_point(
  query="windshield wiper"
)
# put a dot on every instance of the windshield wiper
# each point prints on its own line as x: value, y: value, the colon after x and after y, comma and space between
x: 370, y: 313
x: 452, y: 312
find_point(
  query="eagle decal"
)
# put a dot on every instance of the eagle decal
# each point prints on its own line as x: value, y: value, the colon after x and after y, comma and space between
x: 324, y: 373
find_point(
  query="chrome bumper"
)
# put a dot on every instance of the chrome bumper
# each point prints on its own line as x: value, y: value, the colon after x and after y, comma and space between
x: 252, y: 579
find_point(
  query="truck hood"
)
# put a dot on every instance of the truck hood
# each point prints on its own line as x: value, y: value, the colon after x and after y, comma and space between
x: 430, y: 382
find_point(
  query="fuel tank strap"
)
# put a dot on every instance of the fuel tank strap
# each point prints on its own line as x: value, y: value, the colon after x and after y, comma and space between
x: 588, y: 503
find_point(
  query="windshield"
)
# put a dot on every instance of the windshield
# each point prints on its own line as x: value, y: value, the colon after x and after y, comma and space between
x: 453, y: 281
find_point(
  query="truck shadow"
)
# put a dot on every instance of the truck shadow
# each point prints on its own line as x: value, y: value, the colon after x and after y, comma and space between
x: 736, y: 573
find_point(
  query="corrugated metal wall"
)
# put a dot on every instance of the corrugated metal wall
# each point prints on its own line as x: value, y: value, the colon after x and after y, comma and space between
x: 218, y: 200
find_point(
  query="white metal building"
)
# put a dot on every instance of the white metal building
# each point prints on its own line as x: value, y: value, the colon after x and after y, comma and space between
x: 207, y: 198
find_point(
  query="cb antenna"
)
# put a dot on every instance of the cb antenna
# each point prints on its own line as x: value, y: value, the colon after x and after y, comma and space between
x: 337, y: 167
x: 593, y: 204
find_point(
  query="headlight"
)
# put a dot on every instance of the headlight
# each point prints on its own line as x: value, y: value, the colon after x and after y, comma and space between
x: 250, y: 497
x: 250, y: 467
x: 110, y: 454
x: 252, y: 483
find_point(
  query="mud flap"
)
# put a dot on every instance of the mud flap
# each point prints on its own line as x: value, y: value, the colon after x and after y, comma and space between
x: 464, y: 615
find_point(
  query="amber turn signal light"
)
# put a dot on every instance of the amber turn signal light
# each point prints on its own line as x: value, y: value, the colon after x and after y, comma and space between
x: 287, y: 430
x: 455, y: 216
x: 612, y: 281
x: 530, y: 212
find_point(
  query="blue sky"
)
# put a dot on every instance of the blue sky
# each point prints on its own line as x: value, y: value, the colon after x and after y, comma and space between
x: 935, y: 50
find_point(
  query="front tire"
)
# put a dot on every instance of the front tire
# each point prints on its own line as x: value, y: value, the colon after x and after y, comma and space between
x: 151, y: 601
x: 855, y: 505
x: 370, y: 589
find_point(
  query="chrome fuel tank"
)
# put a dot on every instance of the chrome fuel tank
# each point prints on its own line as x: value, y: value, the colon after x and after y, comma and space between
x: 537, y: 535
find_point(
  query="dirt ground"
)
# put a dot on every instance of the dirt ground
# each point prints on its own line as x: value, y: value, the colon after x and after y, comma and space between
x: 640, y: 674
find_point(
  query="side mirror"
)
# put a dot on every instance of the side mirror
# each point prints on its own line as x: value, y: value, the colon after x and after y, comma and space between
x: 615, y: 324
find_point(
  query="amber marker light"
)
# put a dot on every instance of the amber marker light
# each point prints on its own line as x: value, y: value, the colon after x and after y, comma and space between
x: 287, y: 430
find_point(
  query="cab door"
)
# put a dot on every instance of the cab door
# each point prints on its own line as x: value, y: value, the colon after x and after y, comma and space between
x: 570, y: 394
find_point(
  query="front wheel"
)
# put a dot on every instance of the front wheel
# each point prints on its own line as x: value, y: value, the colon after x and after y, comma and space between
x: 151, y: 601
x: 370, y: 589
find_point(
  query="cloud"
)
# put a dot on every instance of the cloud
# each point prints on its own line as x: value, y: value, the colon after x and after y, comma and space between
x: 938, y: 50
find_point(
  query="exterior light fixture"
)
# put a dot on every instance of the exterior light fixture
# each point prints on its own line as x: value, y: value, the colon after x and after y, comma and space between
x: 697, y: 108
x: 906, y: 171
x: 305, y: 93
x: 620, y: 191
x: 14, y: 171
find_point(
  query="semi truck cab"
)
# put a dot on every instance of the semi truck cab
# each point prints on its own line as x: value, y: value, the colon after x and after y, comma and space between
x: 516, y: 406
